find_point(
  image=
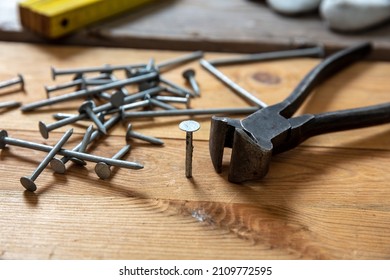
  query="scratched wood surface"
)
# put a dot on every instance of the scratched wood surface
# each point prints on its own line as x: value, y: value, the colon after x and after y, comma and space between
x: 327, y: 199
x: 218, y: 25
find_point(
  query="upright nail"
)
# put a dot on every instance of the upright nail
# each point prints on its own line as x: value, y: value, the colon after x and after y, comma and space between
x: 189, y: 127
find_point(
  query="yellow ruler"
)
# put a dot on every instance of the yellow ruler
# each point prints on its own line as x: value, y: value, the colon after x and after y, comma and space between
x: 55, y: 18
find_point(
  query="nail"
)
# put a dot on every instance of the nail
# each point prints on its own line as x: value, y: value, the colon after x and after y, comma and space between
x: 189, y: 75
x: 105, y: 68
x: 28, y: 181
x: 307, y: 52
x: 122, y: 89
x: 177, y: 87
x: 189, y: 127
x: 5, y: 140
x: 58, y: 165
x: 18, y: 80
x: 86, y: 108
x: 61, y: 116
x: 9, y: 104
x: 132, y: 134
x: 103, y: 170
x: 87, y: 92
x: 44, y: 129
x: 134, y: 105
x: 176, y: 92
x: 174, y: 99
x: 91, y: 81
x: 160, y: 104
x: 236, y: 88
x: 95, y: 135
x: 171, y: 63
x: 189, y: 112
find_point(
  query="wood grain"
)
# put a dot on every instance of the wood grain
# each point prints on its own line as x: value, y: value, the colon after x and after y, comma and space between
x: 326, y: 199
x: 218, y: 25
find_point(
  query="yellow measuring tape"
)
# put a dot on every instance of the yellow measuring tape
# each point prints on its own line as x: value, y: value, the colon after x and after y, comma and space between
x: 55, y: 18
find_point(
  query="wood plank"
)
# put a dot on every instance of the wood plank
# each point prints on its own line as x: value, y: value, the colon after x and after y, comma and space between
x: 233, y: 26
x: 327, y: 199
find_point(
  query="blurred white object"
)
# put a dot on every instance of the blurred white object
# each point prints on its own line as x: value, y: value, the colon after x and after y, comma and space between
x: 354, y: 15
x: 294, y: 7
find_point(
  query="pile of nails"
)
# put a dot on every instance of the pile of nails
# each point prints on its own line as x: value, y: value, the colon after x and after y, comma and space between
x: 155, y: 95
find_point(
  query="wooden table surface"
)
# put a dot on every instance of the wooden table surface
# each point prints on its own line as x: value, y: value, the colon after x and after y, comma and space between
x: 329, y: 198
x: 218, y: 25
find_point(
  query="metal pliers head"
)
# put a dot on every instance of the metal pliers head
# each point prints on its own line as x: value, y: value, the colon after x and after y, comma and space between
x: 272, y: 129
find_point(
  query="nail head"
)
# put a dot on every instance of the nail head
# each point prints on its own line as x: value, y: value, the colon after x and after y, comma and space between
x: 103, y: 170
x: 188, y: 73
x: 43, y: 130
x: 189, y: 126
x: 28, y: 184
x: 58, y: 166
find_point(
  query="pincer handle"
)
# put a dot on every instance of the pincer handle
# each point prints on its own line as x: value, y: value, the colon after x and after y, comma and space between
x: 327, y: 68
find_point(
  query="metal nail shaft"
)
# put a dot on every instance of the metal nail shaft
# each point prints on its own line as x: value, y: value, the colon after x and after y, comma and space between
x: 189, y: 112
x: 95, y: 134
x: 132, y: 134
x: 169, y: 64
x: 9, y: 104
x: 28, y: 181
x: 105, y: 68
x: 307, y: 52
x: 14, y: 81
x: 236, y: 88
x: 103, y: 170
x: 88, y: 92
x: 189, y: 127
x: 4, y: 140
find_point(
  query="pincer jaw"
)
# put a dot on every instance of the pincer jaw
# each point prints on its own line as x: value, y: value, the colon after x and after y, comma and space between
x: 250, y: 158
x: 221, y: 136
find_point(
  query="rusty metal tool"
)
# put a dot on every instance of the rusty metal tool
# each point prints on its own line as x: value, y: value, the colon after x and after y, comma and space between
x: 273, y: 129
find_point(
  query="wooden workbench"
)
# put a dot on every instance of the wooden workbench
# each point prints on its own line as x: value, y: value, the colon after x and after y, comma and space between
x: 327, y: 199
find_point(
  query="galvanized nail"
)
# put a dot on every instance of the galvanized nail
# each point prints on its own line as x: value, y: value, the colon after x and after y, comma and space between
x: 103, y: 170
x: 188, y: 112
x: 18, y: 80
x: 10, y: 104
x: 5, y: 140
x: 86, y: 108
x: 58, y: 165
x: 189, y: 75
x: 236, y: 88
x: 189, y: 127
x: 28, y: 181
x: 171, y: 63
x: 306, y: 52
x: 132, y: 134
x: 87, y: 92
